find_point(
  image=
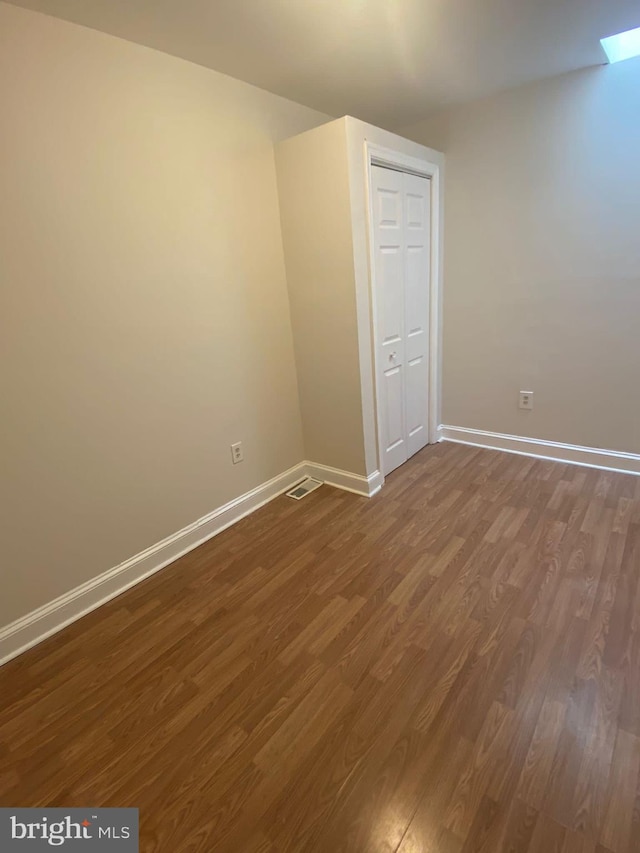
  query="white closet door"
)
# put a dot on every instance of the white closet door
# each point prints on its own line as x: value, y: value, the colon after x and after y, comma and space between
x: 401, y: 210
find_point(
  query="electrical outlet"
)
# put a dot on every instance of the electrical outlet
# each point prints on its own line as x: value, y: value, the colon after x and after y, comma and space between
x: 526, y: 400
x: 236, y: 453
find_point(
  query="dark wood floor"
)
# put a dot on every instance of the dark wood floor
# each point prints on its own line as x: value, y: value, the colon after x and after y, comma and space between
x: 452, y: 666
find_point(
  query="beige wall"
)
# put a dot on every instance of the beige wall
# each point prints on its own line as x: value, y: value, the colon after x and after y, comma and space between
x: 143, y: 307
x: 542, y: 258
x: 315, y: 211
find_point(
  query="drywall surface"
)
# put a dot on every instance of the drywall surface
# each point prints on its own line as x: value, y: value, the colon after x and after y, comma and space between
x: 315, y: 210
x: 144, y: 314
x: 542, y: 258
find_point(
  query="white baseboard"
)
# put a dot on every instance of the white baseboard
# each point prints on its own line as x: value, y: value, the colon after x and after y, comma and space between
x: 592, y: 457
x: 356, y: 483
x: 57, y: 614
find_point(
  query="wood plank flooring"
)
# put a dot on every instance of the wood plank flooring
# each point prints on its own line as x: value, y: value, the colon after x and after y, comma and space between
x: 450, y: 667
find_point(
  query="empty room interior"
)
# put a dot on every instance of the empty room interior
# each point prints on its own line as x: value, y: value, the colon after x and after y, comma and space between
x: 320, y: 426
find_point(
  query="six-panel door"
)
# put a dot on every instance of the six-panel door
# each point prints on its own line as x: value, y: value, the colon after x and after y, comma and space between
x: 401, y: 222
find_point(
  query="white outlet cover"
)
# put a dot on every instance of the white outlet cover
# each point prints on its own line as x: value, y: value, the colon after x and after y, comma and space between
x: 526, y: 400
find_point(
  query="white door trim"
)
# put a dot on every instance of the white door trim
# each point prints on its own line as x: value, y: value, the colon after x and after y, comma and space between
x: 380, y: 156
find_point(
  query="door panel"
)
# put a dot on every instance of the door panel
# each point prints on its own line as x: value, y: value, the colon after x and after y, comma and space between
x: 395, y: 427
x: 401, y: 211
x: 390, y: 271
x: 417, y: 405
x: 388, y: 206
x: 417, y: 287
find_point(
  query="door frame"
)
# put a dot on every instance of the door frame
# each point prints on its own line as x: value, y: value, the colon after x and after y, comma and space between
x: 376, y: 155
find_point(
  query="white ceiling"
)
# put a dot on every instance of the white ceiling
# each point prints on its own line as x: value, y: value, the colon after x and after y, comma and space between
x: 389, y: 62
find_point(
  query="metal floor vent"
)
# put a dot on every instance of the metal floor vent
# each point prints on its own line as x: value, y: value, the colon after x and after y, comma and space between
x: 303, y: 488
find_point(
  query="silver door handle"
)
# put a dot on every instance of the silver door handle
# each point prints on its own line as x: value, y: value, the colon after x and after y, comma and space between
x: 392, y: 356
